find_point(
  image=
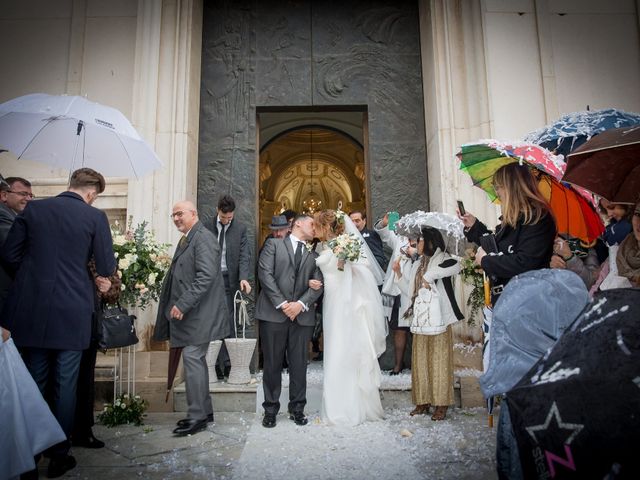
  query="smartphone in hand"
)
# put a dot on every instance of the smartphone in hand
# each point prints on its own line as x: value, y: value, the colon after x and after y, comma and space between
x: 461, y: 208
x: 392, y: 217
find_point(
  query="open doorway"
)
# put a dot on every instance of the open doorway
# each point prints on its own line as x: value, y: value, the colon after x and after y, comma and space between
x: 309, y: 161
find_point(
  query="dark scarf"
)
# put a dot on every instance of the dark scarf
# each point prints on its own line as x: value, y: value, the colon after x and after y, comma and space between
x: 616, y: 231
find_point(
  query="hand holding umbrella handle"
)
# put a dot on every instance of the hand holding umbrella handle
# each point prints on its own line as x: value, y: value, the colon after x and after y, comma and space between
x: 487, y: 290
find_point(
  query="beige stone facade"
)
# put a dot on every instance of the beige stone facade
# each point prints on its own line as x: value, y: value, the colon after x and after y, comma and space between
x: 491, y: 68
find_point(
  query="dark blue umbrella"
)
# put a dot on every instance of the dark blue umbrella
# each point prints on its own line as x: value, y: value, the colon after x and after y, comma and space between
x: 573, y: 129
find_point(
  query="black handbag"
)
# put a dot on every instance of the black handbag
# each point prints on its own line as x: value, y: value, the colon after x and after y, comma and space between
x: 115, y: 327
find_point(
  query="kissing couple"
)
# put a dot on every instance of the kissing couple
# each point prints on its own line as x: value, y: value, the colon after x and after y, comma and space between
x: 293, y: 277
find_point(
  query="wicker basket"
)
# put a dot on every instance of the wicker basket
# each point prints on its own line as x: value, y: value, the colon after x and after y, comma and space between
x: 240, y: 349
x: 212, y: 356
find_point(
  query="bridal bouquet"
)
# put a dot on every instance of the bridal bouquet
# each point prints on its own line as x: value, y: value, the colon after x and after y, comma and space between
x: 346, y: 247
x: 142, y: 264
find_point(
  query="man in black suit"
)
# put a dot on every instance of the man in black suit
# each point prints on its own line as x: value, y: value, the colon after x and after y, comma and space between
x: 234, y: 263
x: 370, y: 236
x: 51, y: 300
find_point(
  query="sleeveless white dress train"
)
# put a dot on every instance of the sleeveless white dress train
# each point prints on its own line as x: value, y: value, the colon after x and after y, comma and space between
x: 354, y: 336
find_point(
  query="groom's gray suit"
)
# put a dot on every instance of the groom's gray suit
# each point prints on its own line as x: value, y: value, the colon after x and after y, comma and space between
x: 281, y: 282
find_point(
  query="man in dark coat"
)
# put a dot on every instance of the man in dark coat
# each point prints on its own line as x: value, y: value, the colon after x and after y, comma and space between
x: 15, y: 193
x: 372, y: 238
x: 235, y: 259
x: 193, y: 311
x: 51, y: 301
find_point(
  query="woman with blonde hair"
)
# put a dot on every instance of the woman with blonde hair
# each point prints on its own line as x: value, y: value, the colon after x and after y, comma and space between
x: 354, y: 326
x: 524, y: 237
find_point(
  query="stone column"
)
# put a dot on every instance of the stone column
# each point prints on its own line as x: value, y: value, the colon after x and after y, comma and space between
x: 456, y: 107
x: 547, y: 70
x: 166, y: 102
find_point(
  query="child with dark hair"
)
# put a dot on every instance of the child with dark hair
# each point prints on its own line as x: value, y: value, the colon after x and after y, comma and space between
x: 430, y: 277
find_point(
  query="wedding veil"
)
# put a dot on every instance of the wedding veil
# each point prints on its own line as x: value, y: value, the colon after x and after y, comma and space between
x: 371, y: 262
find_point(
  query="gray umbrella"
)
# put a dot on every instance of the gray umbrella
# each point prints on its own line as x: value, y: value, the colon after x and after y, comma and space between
x: 546, y: 302
x: 451, y: 228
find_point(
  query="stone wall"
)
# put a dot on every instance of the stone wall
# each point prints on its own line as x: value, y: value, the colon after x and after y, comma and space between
x: 304, y: 54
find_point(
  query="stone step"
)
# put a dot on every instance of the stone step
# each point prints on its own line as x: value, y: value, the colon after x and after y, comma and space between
x: 395, y: 393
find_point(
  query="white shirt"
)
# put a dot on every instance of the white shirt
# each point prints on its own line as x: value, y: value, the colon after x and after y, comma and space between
x: 294, y: 241
x: 223, y: 254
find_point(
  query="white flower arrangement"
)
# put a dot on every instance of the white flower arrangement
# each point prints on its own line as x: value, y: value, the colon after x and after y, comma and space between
x: 142, y: 264
x: 347, y: 247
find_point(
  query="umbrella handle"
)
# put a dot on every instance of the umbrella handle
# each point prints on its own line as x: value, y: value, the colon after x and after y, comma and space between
x: 487, y: 290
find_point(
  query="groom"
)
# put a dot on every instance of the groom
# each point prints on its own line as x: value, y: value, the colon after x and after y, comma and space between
x: 287, y: 312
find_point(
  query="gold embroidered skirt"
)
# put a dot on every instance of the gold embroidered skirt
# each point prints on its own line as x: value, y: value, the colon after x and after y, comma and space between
x: 432, y: 369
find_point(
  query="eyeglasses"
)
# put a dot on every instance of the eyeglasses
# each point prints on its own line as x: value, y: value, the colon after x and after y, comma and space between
x: 179, y: 213
x: 23, y: 194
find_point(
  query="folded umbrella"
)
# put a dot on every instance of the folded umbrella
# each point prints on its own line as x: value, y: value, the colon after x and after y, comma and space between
x: 174, y: 361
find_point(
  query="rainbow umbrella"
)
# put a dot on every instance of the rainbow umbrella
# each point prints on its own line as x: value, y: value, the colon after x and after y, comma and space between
x: 573, y: 210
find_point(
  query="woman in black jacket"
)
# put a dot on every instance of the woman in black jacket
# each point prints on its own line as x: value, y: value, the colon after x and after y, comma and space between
x: 523, y: 239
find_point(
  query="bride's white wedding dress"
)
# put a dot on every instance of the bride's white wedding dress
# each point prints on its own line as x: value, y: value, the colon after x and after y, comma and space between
x: 354, y: 332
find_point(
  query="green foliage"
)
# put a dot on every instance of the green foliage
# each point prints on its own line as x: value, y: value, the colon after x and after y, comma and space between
x: 142, y: 264
x: 125, y: 410
x: 471, y: 275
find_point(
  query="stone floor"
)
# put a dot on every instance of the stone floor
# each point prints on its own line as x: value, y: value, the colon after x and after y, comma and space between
x: 238, y: 447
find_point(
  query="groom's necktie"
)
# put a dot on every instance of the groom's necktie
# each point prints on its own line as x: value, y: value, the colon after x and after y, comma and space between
x: 298, y: 256
x: 221, y: 238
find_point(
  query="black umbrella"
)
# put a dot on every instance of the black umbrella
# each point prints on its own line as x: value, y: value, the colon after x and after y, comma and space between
x: 576, y: 413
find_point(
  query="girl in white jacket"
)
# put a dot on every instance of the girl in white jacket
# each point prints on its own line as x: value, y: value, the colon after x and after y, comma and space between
x: 430, y: 280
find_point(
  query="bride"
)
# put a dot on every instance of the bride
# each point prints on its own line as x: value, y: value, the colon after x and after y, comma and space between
x: 354, y: 327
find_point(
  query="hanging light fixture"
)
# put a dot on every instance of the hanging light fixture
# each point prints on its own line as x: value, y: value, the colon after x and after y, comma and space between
x: 311, y: 204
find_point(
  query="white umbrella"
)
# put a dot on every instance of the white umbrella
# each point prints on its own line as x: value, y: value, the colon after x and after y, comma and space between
x: 451, y: 228
x: 70, y: 132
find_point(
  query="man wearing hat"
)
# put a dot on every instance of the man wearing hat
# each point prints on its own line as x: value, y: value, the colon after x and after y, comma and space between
x: 279, y: 229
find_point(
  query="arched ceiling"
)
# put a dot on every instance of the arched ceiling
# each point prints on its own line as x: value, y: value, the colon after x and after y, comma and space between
x: 312, y: 161
x: 273, y: 124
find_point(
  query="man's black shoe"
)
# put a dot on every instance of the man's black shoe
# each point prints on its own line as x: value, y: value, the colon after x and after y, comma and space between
x: 185, y: 421
x: 30, y: 475
x: 191, y: 427
x: 219, y: 373
x: 86, y: 441
x: 298, y: 418
x: 269, y: 420
x: 59, y: 465
x: 227, y: 370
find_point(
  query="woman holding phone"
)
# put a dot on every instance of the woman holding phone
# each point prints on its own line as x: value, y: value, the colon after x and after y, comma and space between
x: 523, y: 240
